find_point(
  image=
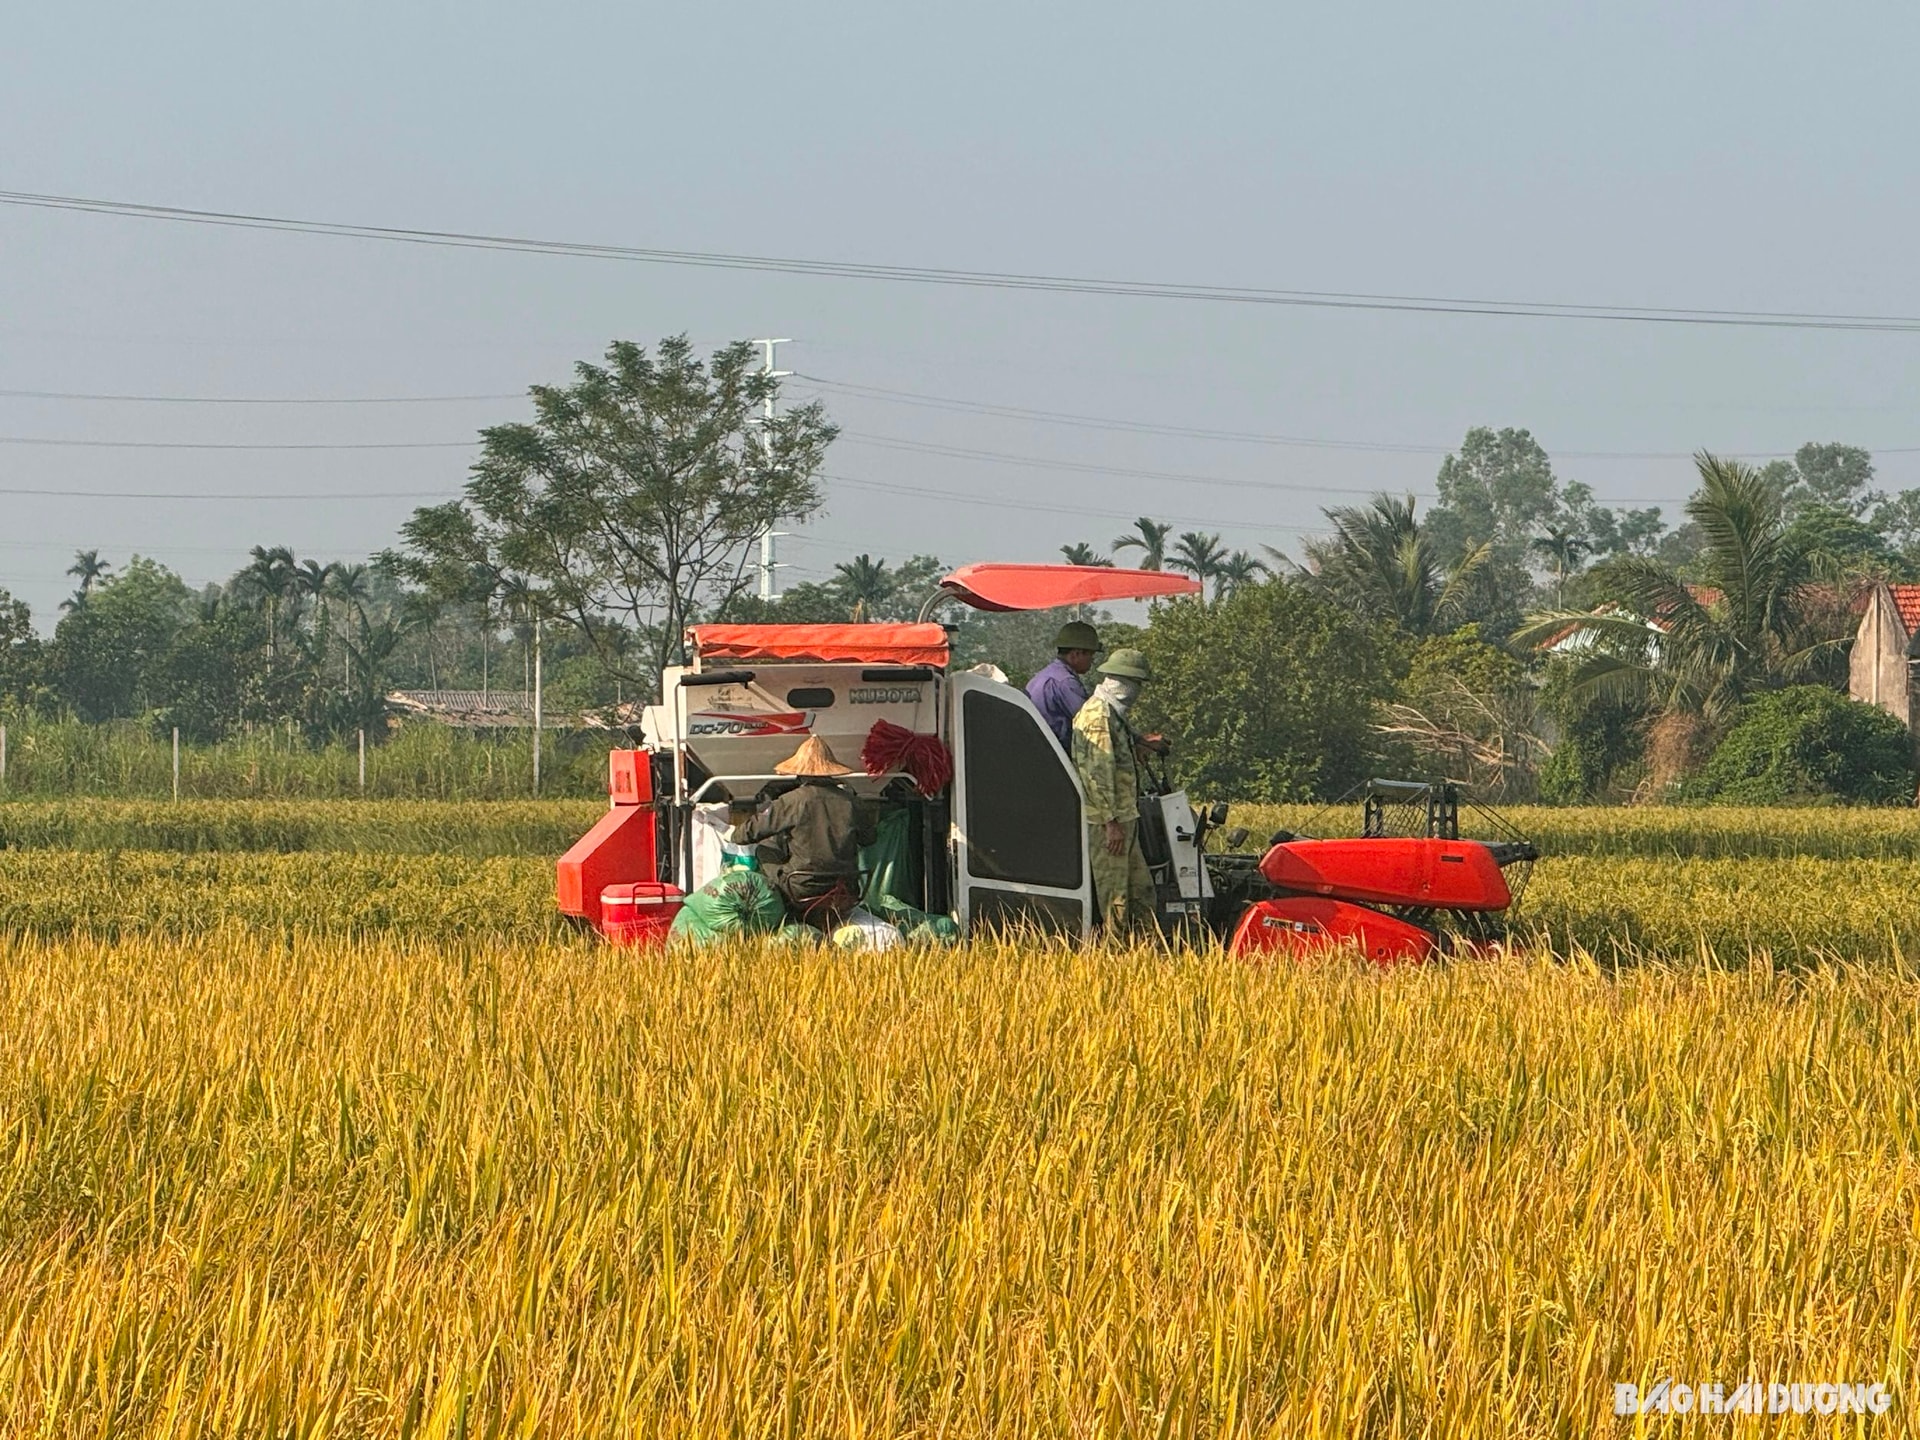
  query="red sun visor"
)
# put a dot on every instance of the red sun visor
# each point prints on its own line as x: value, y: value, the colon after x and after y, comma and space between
x: 1049, y: 587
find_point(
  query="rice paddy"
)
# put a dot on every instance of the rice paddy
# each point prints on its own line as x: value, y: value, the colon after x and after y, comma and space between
x: 309, y: 1127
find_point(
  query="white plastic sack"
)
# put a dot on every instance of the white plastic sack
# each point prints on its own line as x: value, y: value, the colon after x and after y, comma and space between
x: 864, y: 930
x: 711, y: 827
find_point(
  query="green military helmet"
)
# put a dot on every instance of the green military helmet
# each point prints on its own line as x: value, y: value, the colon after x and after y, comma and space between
x: 1128, y: 665
x: 1077, y: 635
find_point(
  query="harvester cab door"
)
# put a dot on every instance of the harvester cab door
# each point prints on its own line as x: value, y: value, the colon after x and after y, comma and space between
x: 1019, y: 827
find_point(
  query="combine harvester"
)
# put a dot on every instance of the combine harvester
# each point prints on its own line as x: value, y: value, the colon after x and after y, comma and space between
x: 1001, y: 841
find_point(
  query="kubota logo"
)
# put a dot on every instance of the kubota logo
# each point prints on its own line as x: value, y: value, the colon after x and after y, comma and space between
x: 748, y: 723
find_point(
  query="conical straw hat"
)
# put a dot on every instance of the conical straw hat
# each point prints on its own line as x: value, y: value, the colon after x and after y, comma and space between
x: 812, y: 758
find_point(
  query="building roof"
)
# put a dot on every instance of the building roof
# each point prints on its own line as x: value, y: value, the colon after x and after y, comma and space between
x: 1907, y: 599
x: 475, y: 708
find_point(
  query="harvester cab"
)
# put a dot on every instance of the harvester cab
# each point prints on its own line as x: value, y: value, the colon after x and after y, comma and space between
x: 985, y: 807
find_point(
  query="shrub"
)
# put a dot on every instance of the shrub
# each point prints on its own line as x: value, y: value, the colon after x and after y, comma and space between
x: 1810, y: 743
x: 1268, y: 695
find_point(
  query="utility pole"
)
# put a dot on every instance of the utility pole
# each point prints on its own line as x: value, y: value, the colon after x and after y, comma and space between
x: 536, y: 704
x: 767, y: 562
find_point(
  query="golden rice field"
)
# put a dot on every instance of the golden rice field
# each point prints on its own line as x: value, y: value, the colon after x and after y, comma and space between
x: 302, y: 1134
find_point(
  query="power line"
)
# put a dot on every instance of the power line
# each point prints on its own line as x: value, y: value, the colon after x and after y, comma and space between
x: 1079, y: 510
x: 976, y: 279
x: 207, y: 495
x: 999, y: 457
x: 253, y: 399
x: 1142, y: 427
x: 235, y: 445
x: 1094, y: 422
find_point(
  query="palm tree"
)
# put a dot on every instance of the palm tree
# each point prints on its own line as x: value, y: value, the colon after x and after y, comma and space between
x: 1236, y: 570
x: 1081, y: 553
x: 1198, y: 555
x: 1381, y: 563
x: 89, y: 569
x: 1755, y: 616
x: 1564, y: 550
x: 310, y: 578
x: 270, y: 579
x: 1150, y: 538
x: 348, y: 584
x: 865, y: 584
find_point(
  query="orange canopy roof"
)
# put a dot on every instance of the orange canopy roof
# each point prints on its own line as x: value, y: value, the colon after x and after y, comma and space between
x: 1046, y: 587
x: 826, y: 644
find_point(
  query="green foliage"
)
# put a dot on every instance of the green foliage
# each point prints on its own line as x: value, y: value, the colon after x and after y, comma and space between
x: 1839, y: 539
x: 1499, y: 488
x: 859, y: 589
x: 107, y: 651
x: 631, y: 500
x: 1752, y: 622
x: 1269, y: 694
x: 210, y: 681
x: 20, y: 654
x: 1601, y: 740
x: 1832, y: 477
x: 1382, y: 563
x: 1809, y: 743
x: 1149, y: 537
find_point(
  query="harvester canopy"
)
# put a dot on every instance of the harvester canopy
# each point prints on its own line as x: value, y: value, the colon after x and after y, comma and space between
x: 822, y: 644
x: 1050, y: 587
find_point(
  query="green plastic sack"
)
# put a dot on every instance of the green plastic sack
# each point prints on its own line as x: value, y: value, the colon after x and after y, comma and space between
x: 919, y: 926
x: 735, y: 902
x: 888, y: 864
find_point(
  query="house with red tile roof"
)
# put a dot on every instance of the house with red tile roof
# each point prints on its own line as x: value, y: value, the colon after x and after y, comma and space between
x: 1879, y: 672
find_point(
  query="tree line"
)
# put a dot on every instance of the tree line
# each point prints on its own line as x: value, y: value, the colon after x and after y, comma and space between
x: 1518, y: 633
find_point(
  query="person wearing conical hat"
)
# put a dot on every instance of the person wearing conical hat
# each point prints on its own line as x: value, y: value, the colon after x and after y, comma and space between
x: 810, y: 836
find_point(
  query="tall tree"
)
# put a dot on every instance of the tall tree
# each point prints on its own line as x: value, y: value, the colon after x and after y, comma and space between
x: 351, y: 586
x: 635, y: 496
x: 1199, y: 555
x: 105, y: 655
x: 1563, y: 549
x: 1149, y: 537
x: 1081, y: 553
x: 269, y: 579
x: 1381, y: 562
x: 866, y: 584
x: 1236, y: 570
x: 19, y: 652
x: 1837, y: 477
x: 1498, y: 489
x: 89, y: 569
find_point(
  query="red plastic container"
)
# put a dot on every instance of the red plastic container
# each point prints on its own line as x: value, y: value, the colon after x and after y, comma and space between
x: 639, y: 914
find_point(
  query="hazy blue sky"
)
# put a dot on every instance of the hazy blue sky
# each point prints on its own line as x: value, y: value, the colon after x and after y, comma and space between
x: 1712, y: 154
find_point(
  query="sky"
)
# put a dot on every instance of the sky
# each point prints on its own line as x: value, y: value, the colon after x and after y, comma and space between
x: 1713, y: 155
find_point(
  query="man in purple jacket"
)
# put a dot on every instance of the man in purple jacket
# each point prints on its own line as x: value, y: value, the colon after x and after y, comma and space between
x: 1058, y: 692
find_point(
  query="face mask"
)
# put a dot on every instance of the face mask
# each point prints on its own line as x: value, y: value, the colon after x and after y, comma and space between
x: 1118, y: 692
